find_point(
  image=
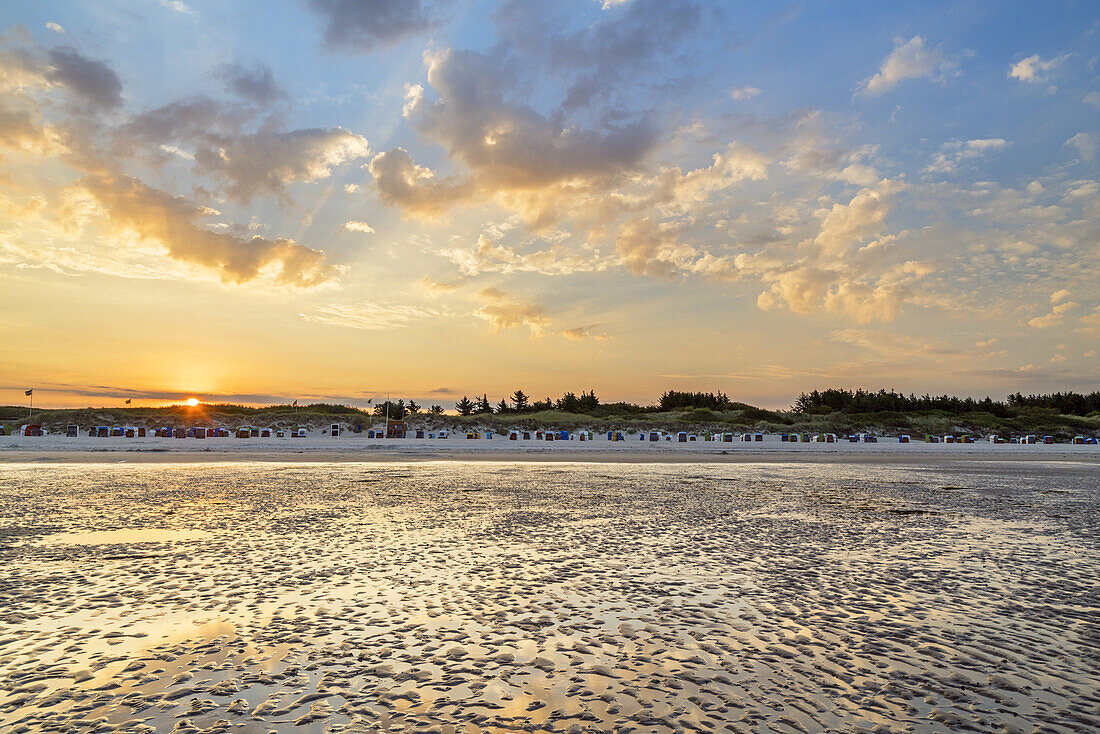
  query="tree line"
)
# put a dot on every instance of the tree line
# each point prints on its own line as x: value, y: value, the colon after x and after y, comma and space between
x: 836, y: 400
x: 520, y: 402
x: 833, y: 400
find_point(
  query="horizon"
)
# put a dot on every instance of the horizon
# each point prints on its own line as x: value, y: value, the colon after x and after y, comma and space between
x: 374, y: 403
x: 450, y: 198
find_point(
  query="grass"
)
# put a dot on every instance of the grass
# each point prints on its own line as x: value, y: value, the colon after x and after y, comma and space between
x: 741, y: 418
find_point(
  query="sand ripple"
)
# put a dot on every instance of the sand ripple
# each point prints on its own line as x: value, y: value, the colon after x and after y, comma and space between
x: 455, y: 598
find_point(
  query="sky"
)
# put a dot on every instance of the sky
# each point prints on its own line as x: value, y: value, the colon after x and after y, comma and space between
x: 332, y: 200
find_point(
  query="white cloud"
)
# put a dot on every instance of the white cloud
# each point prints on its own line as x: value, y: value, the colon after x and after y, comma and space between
x: 909, y: 60
x: 742, y: 93
x: 954, y: 152
x: 1058, y: 311
x: 351, y: 188
x: 1085, y: 144
x: 846, y: 225
x: 414, y: 95
x: 55, y: 27
x: 1092, y: 98
x: 489, y: 258
x: 363, y: 227
x: 1032, y: 68
x: 177, y: 151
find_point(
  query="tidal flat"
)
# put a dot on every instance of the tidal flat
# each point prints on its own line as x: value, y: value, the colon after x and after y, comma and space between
x: 452, y: 596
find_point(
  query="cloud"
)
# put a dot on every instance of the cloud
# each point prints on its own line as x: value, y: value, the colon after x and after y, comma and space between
x: 414, y: 95
x: 511, y: 145
x: 909, y: 60
x: 601, y: 60
x: 195, y: 121
x: 351, y: 188
x: 505, y: 311
x: 1086, y: 145
x: 800, y: 287
x: 363, y: 227
x: 867, y: 303
x: 55, y: 27
x: 94, y: 81
x: 1092, y: 98
x: 174, y: 222
x: 369, y: 316
x: 648, y: 248
x: 248, y: 163
x: 743, y: 93
x: 265, y: 162
x: 846, y: 225
x: 178, y: 152
x: 529, y: 162
x: 1032, y: 69
x: 955, y: 152
x: 1059, y: 308
x: 87, y: 80
x: 683, y: 192
x: 813, y: 152
x: 359, y: 26
x: 486, y: 257
x: 579, y: 333
x: 255, y: 84
x: 436, y: 287
x: 22, y: 127
x: 414, y: 188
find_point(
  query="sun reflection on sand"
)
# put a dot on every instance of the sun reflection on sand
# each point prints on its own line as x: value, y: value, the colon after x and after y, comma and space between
x: 547, y: 597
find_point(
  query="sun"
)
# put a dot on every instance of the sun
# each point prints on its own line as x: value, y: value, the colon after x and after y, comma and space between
x: 192, y: 402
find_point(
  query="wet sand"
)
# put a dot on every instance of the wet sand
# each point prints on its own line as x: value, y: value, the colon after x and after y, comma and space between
x: 521, y: 596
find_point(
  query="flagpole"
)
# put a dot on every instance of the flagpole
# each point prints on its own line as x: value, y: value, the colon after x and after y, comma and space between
x: 30, y: 413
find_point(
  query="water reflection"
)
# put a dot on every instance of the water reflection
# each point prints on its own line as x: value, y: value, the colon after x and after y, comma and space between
x: 548, y: 597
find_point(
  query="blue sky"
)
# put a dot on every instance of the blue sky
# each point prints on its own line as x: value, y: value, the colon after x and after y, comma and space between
x: 624, y: 196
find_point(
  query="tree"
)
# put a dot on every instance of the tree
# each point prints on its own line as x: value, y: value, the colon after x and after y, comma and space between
x: 483, y: 406
x: 413, y: 407
x: 589, y: 401
x: 393, y: 410
x: 520, y: 400
x: 465, y: 406
x: 435, y: 410
x: 503, y: 407
x: 544, y: 404
x: 568, y: 403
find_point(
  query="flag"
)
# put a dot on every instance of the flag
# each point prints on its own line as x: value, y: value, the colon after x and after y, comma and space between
x: 128, y: 400
x: 294, y: 404
x: 29, y: 392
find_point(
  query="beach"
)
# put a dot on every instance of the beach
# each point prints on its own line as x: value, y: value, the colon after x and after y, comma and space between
x: 820, y: 594
x: 352, y: 447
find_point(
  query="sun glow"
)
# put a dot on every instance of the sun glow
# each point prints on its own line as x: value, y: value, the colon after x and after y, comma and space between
x: 192, y: 402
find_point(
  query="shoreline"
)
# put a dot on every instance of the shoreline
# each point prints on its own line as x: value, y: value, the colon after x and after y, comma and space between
x: 58, y: 450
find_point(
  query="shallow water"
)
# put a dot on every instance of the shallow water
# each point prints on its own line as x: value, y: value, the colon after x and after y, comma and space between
x: 587, y: 597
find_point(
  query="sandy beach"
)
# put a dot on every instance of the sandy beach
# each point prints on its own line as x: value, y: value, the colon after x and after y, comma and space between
x: 357, y: 448
x: 458, y: 596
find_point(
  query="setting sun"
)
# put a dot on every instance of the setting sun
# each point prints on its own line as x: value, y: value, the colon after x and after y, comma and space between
x: 192, y: 402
